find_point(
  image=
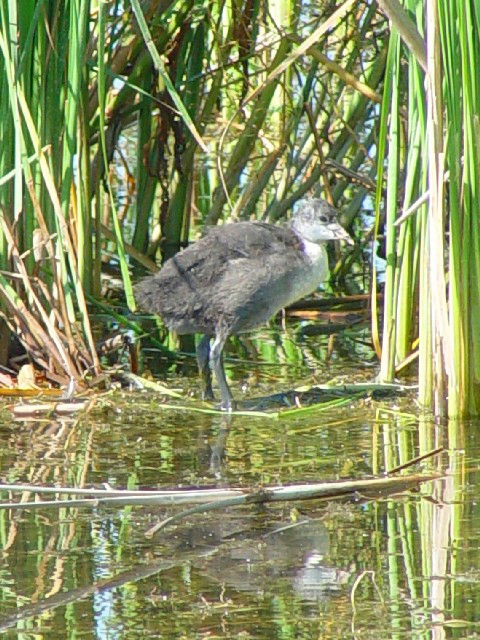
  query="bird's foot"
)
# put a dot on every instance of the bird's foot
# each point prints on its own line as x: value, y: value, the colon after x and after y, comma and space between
x: 228, y: 405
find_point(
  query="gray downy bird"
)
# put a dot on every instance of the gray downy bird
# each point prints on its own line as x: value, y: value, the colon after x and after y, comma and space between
x: 238, y: 276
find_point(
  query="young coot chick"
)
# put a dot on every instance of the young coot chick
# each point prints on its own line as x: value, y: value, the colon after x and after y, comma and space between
x: 238, y: 276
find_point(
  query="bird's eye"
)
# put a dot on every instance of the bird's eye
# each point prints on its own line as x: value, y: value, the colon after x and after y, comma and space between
x: 323, y: 219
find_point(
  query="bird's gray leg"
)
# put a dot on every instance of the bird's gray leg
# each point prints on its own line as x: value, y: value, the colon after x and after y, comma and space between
x: 216, y: 362
x: 203, y: 362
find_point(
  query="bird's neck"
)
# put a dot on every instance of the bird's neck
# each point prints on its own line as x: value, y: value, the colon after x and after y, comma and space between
x: 314, y: 251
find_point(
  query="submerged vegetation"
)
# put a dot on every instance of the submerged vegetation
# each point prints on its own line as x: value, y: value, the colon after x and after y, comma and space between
x: 127, y: 126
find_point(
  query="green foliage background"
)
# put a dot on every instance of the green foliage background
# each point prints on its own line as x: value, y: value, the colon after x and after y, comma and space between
x: 126, y: 126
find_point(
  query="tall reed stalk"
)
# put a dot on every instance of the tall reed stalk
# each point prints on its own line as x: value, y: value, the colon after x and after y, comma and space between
x: 433, y: 254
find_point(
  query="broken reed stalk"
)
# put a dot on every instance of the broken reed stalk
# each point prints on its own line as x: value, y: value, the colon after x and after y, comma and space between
x: 214, y: 499
x: 320, y: 491
x: 61, y: 353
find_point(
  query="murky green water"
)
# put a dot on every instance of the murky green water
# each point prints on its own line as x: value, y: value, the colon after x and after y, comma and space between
x: 405, y: 565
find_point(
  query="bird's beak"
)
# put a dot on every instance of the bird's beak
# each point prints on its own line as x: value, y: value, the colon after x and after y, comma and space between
x: 339, y: 233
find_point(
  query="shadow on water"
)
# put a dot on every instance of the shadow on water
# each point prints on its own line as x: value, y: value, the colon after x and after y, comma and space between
x: 379, y: 567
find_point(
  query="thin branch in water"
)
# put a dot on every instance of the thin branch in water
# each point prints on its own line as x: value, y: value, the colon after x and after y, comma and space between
x: 358, y: 579
x: 413, y: 461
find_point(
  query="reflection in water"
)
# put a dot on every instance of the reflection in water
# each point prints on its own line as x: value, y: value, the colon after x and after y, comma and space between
x: 249, y: 557
x: 217, y: 451
x: 250, y: 570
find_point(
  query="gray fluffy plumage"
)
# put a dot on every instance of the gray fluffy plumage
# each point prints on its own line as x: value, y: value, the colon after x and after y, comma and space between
x: 238, y: 276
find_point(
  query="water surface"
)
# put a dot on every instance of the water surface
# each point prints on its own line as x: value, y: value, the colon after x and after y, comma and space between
x: 404, y: 565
